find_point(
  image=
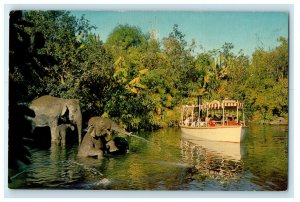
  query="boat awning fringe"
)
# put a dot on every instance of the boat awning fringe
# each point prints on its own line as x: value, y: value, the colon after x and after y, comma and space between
x: 218, y: 105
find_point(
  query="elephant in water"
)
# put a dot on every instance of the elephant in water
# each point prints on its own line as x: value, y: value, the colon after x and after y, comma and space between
x: 62, y: 132
x: 98, y: 138
x: 104, y: 126
x: 91, y: 145
x: 48, y: 110
x: 95, y: 145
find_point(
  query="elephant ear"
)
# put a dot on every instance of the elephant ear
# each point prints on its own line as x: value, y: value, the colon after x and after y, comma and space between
x: 64, y: 110
x: 91, y: 131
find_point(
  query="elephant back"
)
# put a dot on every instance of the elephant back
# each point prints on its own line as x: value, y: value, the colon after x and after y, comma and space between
x: 105, y: 123
x: 100, y: 121
x: 47, y: 105
x: 45, y: 100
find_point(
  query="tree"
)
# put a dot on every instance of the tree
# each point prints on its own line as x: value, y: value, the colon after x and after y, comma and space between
x: 25, y: 80
x: 267, y: 84
x: 92, y: 82
x: 81, y: 67
x: 133, y: 77
x: 26, y: 62
x: 63, y: 35
x: 123, y: 37
x: 180, y: 61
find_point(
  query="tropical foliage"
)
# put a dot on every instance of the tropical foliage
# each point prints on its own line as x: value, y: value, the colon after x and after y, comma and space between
x: 135, y: 78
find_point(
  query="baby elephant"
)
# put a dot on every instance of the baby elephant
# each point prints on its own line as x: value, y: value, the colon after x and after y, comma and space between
x: 62, y: 131
x: 105, y: 126
x: 91, y: 146
x: 118, y: 145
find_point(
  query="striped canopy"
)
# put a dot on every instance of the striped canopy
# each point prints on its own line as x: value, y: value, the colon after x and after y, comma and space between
x: 224, y: 104
x: 218, y: 105
x: 213, y: 105
x: 232, y: 103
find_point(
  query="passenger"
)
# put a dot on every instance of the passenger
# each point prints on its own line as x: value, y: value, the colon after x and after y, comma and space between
x: 201, y: 122
x: 212, y: 123
x: 197, y: 122
x: 190, y: 120
x: 230, y: 121
x: 235, y: 121
x: 183, y: 120
x: 215, y: 118
x: 221, y: 120
x: 186, y: 122
x: 193, y: 123
x: 207, y: 119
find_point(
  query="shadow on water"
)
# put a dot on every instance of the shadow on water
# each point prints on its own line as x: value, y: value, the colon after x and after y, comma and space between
x: 42, y: 137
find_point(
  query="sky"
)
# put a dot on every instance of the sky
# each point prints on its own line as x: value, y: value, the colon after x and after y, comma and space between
x: 245, y: 30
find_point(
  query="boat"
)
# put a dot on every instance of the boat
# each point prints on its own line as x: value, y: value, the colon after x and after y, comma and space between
x: 222, y: 121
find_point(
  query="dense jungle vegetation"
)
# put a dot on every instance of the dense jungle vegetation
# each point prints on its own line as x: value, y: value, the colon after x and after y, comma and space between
x: 135, y: 78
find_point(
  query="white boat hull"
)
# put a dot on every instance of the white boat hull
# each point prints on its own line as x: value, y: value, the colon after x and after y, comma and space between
x: 217, y: 133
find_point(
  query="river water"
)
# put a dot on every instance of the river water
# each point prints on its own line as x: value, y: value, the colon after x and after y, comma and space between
x: 169, y: 160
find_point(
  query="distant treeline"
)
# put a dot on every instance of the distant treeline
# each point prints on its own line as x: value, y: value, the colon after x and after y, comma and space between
x: 135, y: 78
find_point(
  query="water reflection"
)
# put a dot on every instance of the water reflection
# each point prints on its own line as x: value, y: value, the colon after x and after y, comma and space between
x: 228, y: 150
x: 58, y: 167
x: 213, y: 160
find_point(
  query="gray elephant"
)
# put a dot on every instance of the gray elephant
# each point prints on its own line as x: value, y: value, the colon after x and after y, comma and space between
x: 91, y: 145
x: 104, y: 127
x: 95, y: 145
x: 48, y: 110
x: 62, y: 131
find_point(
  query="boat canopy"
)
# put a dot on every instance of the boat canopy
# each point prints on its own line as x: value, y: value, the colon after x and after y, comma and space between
x: 222, y: 107
x: 215, y: 104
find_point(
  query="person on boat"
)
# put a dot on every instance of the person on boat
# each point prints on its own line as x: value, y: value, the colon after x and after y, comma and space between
x: 183, y: 120
x: 215, y: 118
x: 202, y: 122
x: 210, y: 121
x: 188, y: 121
x: 207, y: 119
x: 221, y: 120
x: 230, y: 121
x: 235, y: 121
x: 196, y: 123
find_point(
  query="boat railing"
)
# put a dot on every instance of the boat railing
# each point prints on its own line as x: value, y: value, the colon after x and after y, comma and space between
x: 210, y: 123
x: 227, y: 113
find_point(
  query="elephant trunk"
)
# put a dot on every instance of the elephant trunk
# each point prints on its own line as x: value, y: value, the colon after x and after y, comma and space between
x: 78, y: 123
